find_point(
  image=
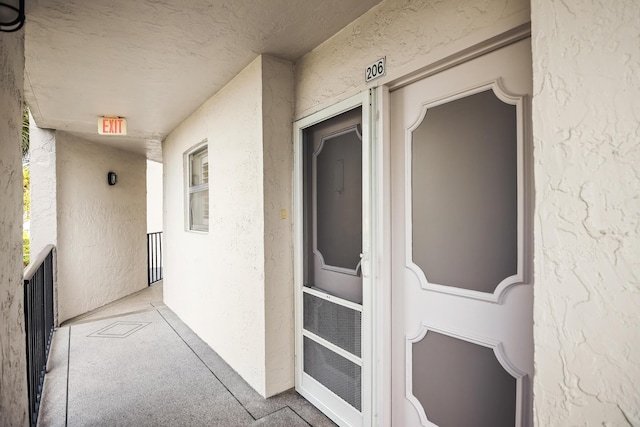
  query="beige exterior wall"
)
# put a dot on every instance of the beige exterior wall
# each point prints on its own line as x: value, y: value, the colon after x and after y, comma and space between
x: 102, y: 253
x: 411, y: 34
x: 13, y: 377
x: 233, y: 284
x: 586, y: 64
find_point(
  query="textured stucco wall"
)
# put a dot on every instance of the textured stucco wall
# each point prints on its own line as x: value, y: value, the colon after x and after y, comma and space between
x: 102, y: 252
x: 277, y: 112
x: 233, y: 285
x: 410, y: 33
x: 586, y: 64
x: 42, y: 167
x: 13, y: 378
x: 215, y: 281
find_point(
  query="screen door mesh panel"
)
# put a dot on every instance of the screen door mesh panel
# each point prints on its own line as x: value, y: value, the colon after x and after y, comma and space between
x: 341, y: 376
x: 335, y: 323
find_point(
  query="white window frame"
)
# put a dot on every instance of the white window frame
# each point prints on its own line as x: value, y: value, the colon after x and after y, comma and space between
x: 196, y: 150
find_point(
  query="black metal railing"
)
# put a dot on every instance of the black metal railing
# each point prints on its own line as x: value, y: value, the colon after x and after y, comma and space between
x: 154, y: 256
x: 39, y: 324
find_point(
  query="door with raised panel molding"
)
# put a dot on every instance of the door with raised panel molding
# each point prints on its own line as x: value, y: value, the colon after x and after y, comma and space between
x: 462, y: 296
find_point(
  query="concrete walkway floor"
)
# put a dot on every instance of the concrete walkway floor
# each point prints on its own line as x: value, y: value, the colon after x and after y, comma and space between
x: 134, y: 363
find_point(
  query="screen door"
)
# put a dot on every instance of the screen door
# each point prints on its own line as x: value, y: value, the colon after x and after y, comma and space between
x: 332, y: 289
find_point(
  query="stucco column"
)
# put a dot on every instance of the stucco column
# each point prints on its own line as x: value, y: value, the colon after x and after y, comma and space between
x: 42, y: 167
x: 586, y: 72
x: 13, y: 370
x: 277, y: 149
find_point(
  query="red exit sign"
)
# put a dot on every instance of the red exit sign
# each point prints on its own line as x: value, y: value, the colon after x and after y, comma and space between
x: 112, y: 126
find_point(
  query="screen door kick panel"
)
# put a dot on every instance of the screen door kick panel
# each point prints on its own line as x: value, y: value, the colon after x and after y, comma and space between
x: 332, y: 293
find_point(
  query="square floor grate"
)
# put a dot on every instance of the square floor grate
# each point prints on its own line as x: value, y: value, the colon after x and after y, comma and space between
x: 119, y: 329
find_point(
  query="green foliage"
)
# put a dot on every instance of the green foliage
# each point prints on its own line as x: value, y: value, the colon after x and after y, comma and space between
x: 26, y: 185
x: 26, y: 193
x: 25, y: 131
x: 26, y: 248
x: 26, y: 205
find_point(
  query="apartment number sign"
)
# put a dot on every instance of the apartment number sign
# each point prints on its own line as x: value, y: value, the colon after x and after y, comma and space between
x: 375, y: 70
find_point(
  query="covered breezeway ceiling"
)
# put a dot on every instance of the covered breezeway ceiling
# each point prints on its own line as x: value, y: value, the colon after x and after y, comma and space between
x: 155, y: 61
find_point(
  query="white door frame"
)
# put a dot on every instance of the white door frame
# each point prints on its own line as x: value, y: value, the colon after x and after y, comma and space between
x: 369, y: 253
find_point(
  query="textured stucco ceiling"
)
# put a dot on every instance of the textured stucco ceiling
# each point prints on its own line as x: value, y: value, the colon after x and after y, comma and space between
x: 156, y: 61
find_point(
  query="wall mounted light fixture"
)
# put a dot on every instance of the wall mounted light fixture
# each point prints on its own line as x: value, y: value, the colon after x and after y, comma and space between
x: 112, y: 178
x: 11, y: 15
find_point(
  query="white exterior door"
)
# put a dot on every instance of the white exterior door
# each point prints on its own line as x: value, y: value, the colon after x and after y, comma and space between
x: 462, y: 346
